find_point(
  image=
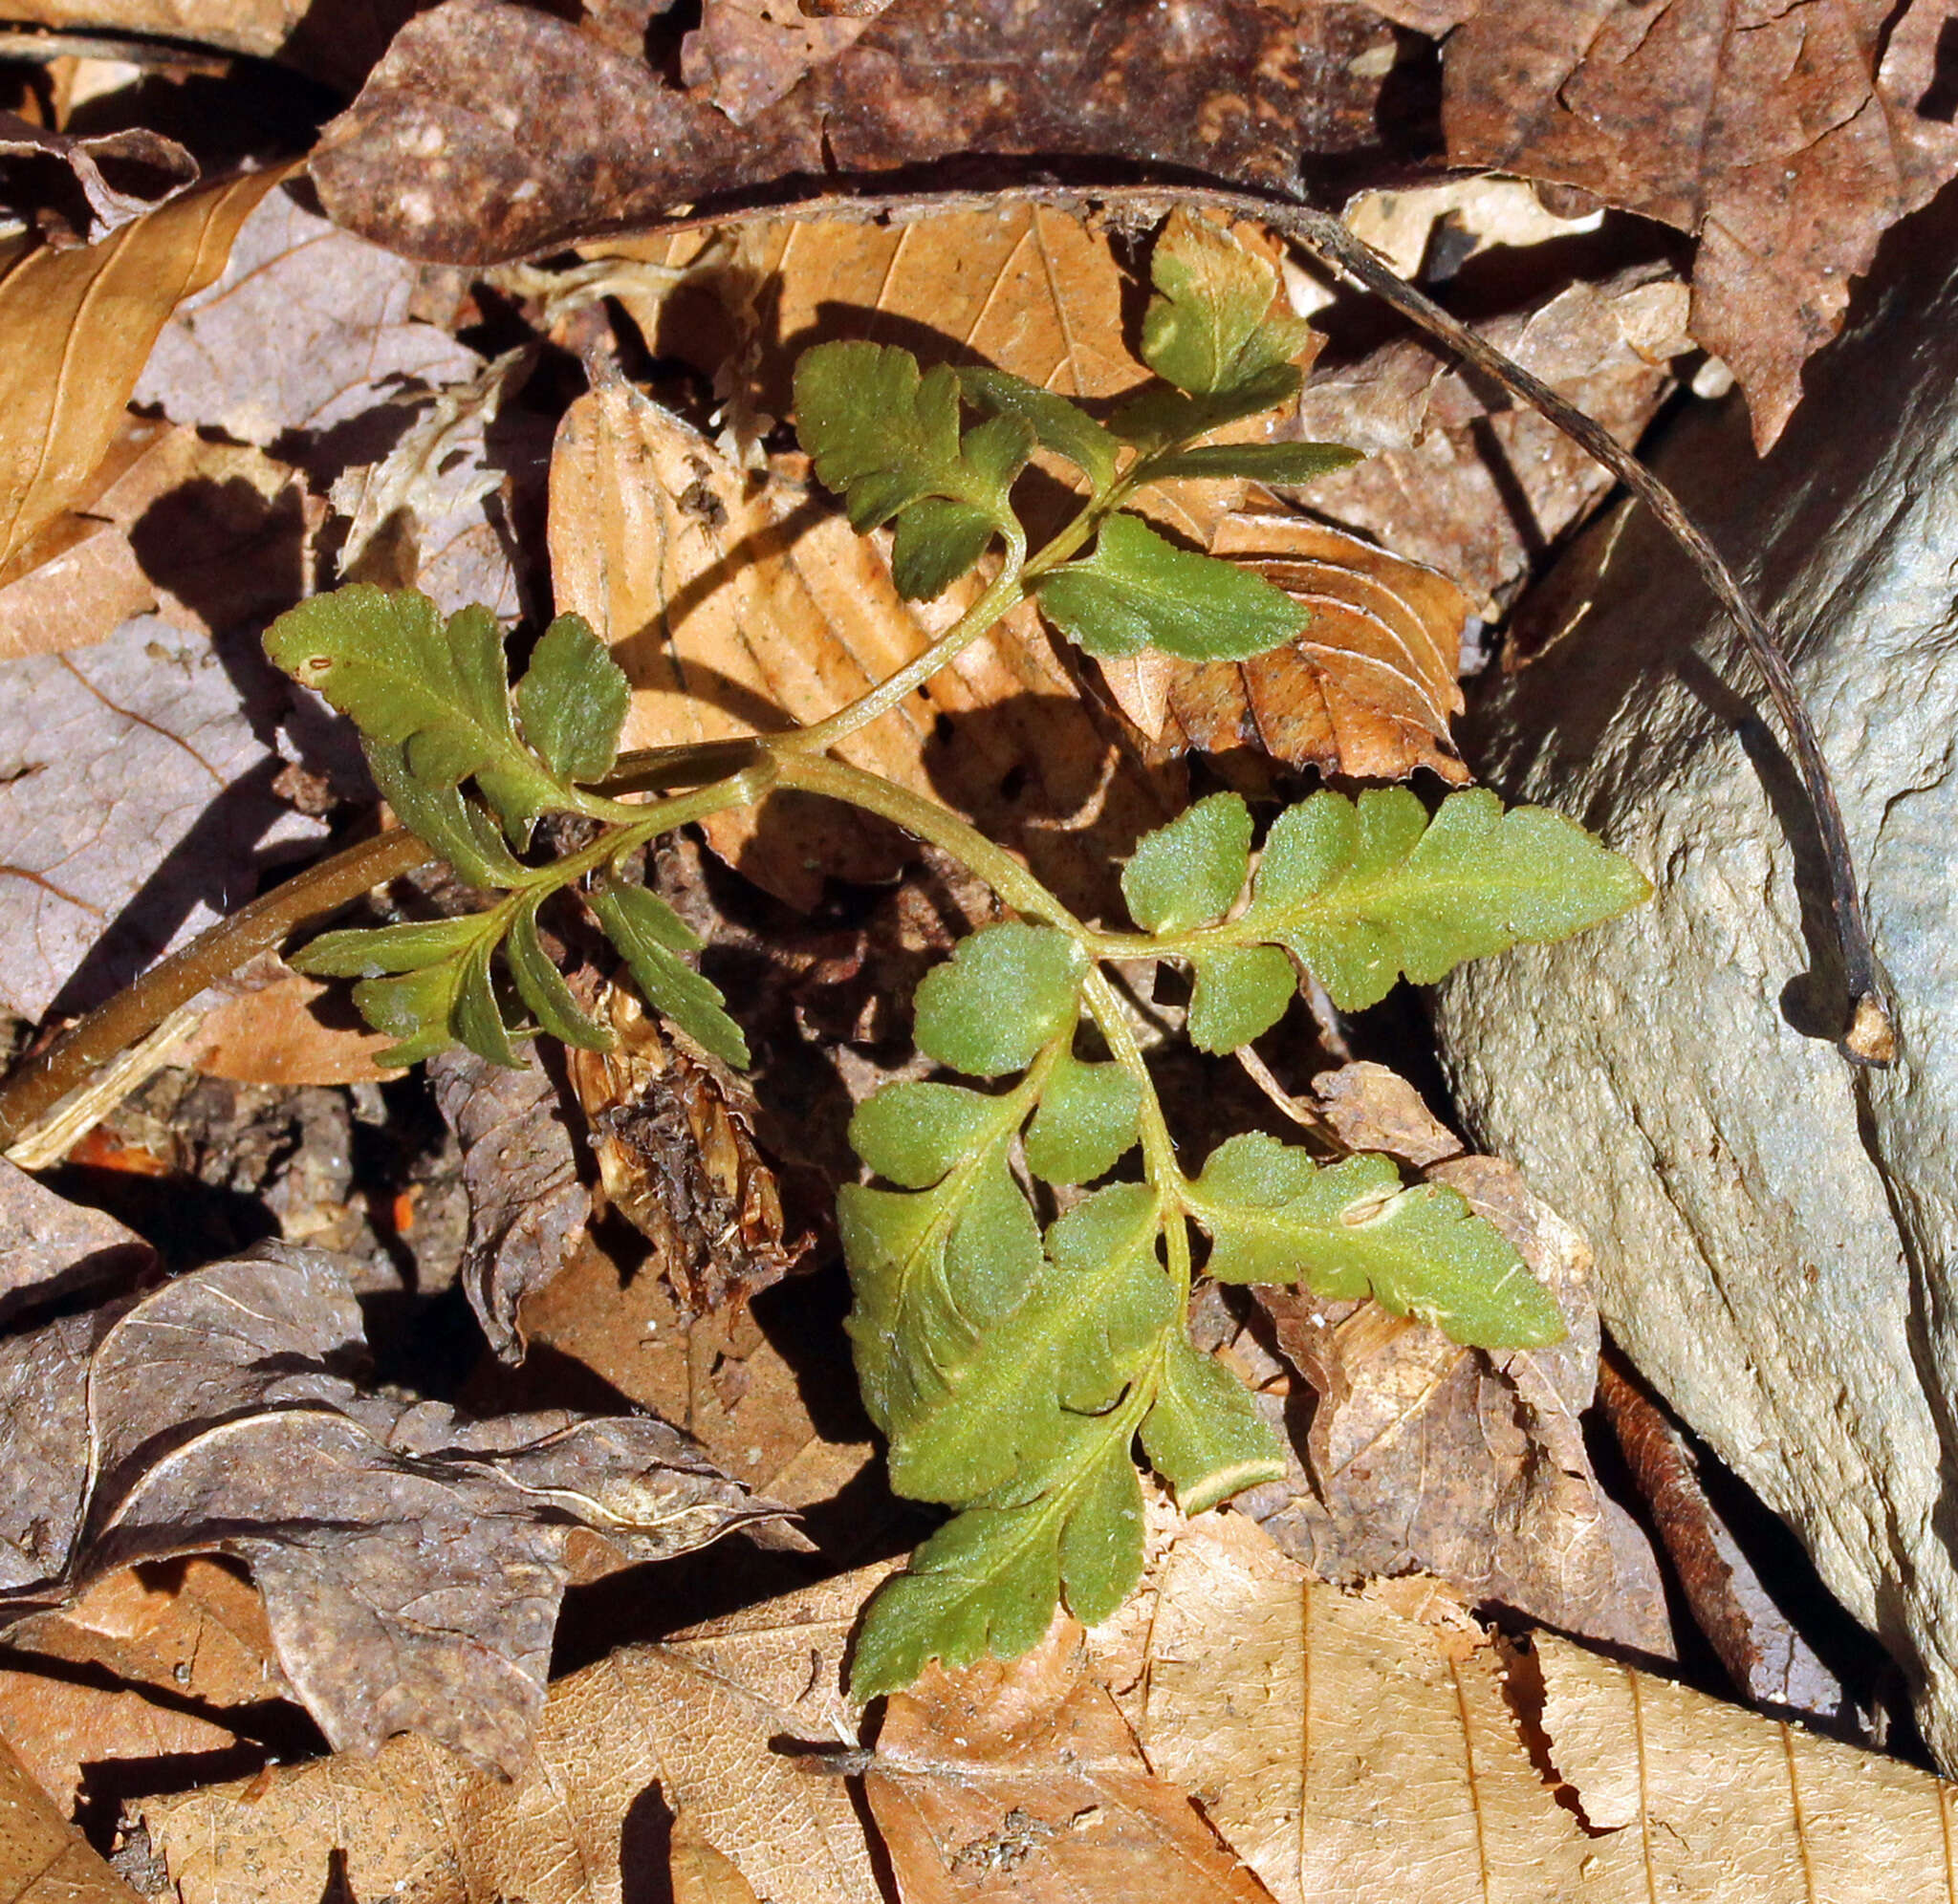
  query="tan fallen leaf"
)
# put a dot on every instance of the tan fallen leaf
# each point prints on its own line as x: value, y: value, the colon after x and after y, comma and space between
x: 672, y: 1130
x: 700, y: 1872
x: 152, y: 1658
x: 43, y: 1858
x: 284, y: 1028
x: 737, y: 607
x: 1461, y: 1462
x: 1022, y: 1780
x: 1368, y: 689
x: 686, y: 1725
x: 78, y: 326
x: 1370, y: 1748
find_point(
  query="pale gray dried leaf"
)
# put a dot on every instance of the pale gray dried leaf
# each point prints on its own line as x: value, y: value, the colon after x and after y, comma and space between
x: 412, y: 1560
x: 1476, y: 493
x: 51, y: 1247
x: 527, y: 1207
x: 138, y: 804
x: 338, y: 309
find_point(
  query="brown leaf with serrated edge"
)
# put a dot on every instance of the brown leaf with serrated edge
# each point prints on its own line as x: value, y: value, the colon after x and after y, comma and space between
x: 672, y: 1130
x: 43, y: 1858
x: 145, y: 1665
x: 1462, y: 1462
x: 1367, y: 690
x: 1789, y: 138
x: 79, y: 325
x: 687, y: 1725
x: 1021, y: 1779
x: 527, y: 1205
x: 1464, y: 482
x: 411, y: 1561
x: 737, y: 607
x: 588, y: 138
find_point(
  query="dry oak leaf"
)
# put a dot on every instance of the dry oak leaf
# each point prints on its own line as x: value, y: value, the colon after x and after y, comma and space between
x: 586, y: 138
x: 685, y: 1724
x: 738, y: 607
x: 1475, y: 493
x: 1022, y: 1780
x: 672, y: 1130
x: 1367, y: 690
x: 43, y: 1858
x: 1461, y: 1462
x: 411, y: 1561
x: 1350, y: 1752
x: 78, y: 326
x: 1789, y: 137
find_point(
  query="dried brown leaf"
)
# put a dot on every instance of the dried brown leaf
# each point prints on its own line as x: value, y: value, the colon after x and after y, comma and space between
x: 588, y: 137
x: 737, y: 607
x: 275, y: 1026
x: 1421, y: 1453
x: 43, y: 1858
x: 192, y: 1631
x: 527, y: 1206
x: 411, y: 1561
x: 1475, y: 493
x: 1787, y: 137
x: 78, y: 326
x: 686, y: 1724
x: 1367, y: 690
x: 672, y: 1130
x: 700, y: 1872
x: 1022, y: 1780
x: 746, y: 54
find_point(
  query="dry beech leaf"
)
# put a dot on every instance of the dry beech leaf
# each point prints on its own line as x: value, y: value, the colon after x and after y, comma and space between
x: 1367, y: 690
x: 672, y: 1130
x: 527, y: 1206
x: 139, y: 805
x: 685, y: 1727
x: 1022, y: 1780
x: 80, y: 325
x: 411, y: 1561
x: 1025, y: 288
x: 43, y: 1858
x: 1462, y: 1462
x: 1366, y: 1749
x: 588, y: 137
x: 1478, y: 494
x: 191, y: 1631
x: 1787, y: 137
x: 737, y: 608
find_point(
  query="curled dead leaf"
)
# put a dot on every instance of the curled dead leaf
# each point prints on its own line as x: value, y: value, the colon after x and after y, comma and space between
x: 672, y: 1130
x: 411, y: 1561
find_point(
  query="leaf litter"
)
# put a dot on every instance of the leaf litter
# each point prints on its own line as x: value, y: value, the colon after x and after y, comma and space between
x: 368, y: 393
